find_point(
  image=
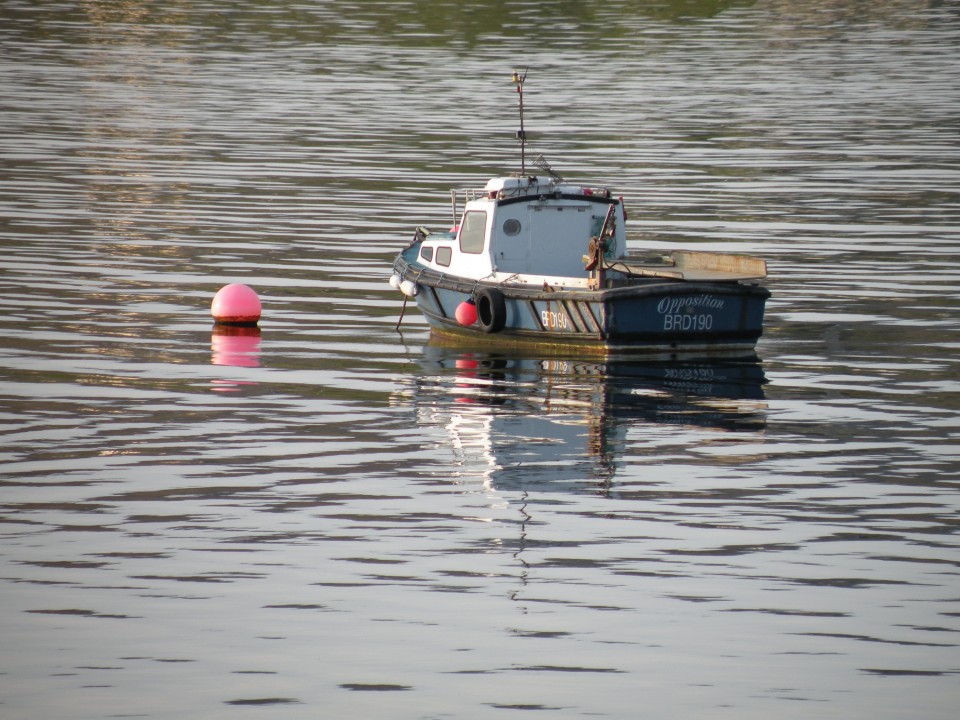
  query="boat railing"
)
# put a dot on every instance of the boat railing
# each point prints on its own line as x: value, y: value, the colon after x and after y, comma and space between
x: 468, y: 194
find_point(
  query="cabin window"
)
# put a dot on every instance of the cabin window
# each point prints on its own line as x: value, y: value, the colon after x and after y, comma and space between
x: 443, y: 256
x: 472, y: 230
x: 426, y: 252
x: 511, y: 227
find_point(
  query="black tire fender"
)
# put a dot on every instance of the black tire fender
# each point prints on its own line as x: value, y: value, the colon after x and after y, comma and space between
x: 491, y: 310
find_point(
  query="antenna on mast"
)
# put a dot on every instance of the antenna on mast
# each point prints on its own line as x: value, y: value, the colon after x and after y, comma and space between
x: 518, y: 80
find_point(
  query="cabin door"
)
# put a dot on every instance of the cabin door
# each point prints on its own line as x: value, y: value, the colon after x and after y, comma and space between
x: 513, y: 243
x: 558, y: 239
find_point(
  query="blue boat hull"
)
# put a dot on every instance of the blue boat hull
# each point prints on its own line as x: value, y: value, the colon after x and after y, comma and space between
x: 648, y: 315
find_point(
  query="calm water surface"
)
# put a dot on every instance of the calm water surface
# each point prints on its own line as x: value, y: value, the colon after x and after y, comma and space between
x: 333, y: 518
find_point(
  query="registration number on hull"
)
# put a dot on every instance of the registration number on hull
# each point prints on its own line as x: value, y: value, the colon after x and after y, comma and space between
x: 675, y: 323
x: 554, y: 320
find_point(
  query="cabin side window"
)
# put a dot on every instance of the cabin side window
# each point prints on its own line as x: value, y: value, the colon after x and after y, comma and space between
x: 472, y: 231
x: 426, y: 252
x: 444, y: 254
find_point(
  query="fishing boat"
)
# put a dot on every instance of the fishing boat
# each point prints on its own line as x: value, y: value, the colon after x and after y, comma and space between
x: 535, y: 259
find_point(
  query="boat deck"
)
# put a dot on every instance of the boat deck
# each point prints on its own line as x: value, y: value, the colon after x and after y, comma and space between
x: 697, y: 266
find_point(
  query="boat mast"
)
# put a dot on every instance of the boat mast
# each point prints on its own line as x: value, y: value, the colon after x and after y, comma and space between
x: 518, y: 80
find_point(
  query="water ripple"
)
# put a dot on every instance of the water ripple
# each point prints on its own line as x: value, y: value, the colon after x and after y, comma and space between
x: 329, y: 513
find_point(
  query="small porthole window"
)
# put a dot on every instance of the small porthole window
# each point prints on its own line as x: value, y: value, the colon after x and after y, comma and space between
x: 426, y: 252
x: 511, y: 227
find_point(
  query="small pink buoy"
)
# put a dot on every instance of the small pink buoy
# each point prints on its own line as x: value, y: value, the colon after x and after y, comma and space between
x: 466, y: 312
x: 236, y: 304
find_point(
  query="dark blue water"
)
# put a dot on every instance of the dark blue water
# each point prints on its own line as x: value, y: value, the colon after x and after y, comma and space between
x: 332, y: 517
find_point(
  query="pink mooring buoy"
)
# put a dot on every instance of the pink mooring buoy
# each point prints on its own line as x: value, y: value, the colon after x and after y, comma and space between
x: 236, y: 304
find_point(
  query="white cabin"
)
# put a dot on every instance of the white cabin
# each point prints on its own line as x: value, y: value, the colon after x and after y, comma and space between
x: 526, y: 226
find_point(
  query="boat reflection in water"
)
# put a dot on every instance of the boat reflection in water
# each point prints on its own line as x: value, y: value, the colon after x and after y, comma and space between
x: 552, y: 423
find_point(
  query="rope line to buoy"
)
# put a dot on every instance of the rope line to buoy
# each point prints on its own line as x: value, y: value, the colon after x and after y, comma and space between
x: 402, y: 311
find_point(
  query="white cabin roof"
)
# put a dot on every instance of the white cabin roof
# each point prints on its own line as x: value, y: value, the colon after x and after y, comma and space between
x: 517, y: 186
x: 508, y: 184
